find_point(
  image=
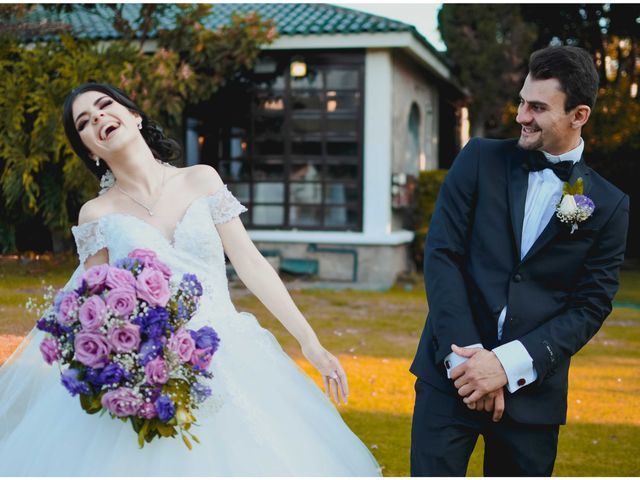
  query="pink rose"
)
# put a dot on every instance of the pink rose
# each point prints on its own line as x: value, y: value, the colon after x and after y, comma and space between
x: 158, y: 265
x: 95, y: 277
x: 182, y: 345
x: 125, y: 338
x: 122, y: 402
x: 119, y: 278
x: 156, y: 372
x: 143, y: 255
x: 92, y: 349
x: 50, y: 350
x: 153, y: 287
x: 148, y: 411
x: 68, y: 307
x: 201, y: 357
x: 93, y: 313
x: 122, y: 301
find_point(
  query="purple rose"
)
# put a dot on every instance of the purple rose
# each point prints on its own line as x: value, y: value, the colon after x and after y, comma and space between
x: 206, y: 337
x: 150, y: 350
x: 182, y: 345
x: 95, y: 277
x: 165, y: 408
x: 153, y: 287
x: 201, y: 358
x: 122, y: 301
x: 70, y: 381
x: 68, y: 308
x: 122, y: 402
x: 148, y: 411
x: 93, y: 313
x: 50, y: 350
x: 92, y: 349
x: 156, y: 372
x: 112, y: 374
x: 118, y: 278
x: 125, y: 338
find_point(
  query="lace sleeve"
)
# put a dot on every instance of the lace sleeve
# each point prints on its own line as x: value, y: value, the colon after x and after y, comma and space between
x: 89, y: 239
x: 224, y: 206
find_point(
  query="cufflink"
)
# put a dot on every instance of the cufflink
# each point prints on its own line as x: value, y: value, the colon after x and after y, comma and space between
x: 521, y: 382
x: 447, y: 364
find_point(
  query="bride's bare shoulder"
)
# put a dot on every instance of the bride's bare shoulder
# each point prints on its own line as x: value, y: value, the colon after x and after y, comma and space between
x: 94, y: 209
x: 203, y: 178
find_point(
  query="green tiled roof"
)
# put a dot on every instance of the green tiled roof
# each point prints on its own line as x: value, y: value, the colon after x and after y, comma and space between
x: 290, y: 19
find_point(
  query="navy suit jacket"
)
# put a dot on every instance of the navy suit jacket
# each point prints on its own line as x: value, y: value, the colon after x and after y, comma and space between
x: 557, y: 296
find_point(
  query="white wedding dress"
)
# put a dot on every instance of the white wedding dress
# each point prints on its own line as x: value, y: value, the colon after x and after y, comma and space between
x: 266, y: 417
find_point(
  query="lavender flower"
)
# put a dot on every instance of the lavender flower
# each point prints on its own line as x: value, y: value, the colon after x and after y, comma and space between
x: 127, y: 263
x: 191, y: 285
x: 93, y: 376
x: 149, y: 350
x: 200, y: 392
x: 70, y: 381
x: 112, y: 374
x: 154, y: 323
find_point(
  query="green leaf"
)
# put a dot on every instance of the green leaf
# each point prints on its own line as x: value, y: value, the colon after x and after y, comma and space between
x: 575, y: 189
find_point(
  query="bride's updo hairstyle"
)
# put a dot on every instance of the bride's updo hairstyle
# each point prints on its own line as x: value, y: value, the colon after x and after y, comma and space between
x: 162, y: 147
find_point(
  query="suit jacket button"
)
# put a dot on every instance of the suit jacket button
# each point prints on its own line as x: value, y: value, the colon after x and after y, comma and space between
x: 517, y: 277
x: 521, y: 382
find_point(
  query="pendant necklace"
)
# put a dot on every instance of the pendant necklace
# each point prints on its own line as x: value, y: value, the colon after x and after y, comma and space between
x: 151, y: 207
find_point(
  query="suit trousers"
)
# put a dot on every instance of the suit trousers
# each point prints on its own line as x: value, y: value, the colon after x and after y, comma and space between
x: 444, y: 433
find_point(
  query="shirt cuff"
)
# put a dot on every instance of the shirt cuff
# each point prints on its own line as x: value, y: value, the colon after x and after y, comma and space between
x: 517, y: 364
x: 452, y: 360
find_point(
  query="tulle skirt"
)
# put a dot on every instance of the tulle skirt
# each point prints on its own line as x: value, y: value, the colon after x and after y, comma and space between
x: 265, y: 418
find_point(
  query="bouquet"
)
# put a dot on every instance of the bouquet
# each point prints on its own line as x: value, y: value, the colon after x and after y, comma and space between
x: 123, y: 346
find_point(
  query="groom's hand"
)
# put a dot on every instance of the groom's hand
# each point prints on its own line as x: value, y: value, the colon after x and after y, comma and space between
x: 481, y: 374
x: 491, y: 402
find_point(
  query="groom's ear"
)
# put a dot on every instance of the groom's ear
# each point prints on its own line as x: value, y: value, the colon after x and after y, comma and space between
x: 580, y: 116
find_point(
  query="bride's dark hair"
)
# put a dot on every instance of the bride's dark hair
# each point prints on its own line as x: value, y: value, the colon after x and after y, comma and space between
x: 163, y: 148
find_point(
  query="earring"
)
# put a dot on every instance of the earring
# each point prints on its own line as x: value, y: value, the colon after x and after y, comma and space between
x: 140, y: 126
x: 97, y: 159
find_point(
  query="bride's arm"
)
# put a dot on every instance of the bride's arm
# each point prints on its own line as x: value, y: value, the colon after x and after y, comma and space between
x: 263, y: 281
x: 88, y: 213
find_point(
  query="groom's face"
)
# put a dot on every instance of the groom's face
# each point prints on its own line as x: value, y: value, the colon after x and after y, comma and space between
x: 545, y: 124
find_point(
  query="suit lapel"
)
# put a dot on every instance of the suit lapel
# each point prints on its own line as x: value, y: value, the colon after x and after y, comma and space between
x: 554, y: 226
x: 518, y: 176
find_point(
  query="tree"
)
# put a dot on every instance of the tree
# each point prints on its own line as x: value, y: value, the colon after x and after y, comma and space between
x: 40, y: 177
x: 489, y: 46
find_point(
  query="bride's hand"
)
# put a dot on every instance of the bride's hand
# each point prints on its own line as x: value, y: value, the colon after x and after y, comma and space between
x: 333, y: 375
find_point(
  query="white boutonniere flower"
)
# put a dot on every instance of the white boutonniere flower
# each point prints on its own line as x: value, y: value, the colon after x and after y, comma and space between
x: 574, y: 207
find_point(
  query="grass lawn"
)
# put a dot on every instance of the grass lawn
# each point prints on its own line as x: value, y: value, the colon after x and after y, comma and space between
x: 375, y: 335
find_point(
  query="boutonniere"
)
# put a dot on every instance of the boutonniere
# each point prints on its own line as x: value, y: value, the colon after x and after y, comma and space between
x: 574, y: 207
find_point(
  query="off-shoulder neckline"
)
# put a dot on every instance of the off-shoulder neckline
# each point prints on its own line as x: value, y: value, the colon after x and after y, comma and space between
x: 170, y: 241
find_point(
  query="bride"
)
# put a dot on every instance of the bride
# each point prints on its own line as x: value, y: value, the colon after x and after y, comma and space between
x: 265, y: 416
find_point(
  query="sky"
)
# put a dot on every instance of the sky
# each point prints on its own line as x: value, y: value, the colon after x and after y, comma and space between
x: 423, y: 16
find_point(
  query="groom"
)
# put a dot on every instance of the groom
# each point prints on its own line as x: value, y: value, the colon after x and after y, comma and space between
x: 519, y: 288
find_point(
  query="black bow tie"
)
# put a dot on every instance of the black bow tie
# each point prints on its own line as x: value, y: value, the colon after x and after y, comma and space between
x: 537, y: 161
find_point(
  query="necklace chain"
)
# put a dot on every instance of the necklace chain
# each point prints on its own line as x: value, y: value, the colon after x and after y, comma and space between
x: 151, y: 207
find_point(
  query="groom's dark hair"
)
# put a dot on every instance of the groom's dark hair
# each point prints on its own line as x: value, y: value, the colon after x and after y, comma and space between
x: 573, y: 67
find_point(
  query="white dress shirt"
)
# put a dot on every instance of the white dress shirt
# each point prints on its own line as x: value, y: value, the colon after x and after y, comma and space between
x: 544, y: 191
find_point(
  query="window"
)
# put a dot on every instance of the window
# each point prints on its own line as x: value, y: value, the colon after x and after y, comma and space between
x: 291, y: 148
